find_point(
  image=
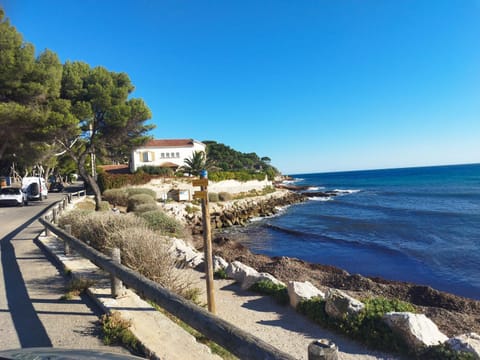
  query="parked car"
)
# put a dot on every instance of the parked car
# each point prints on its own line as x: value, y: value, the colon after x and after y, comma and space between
x: 13, y: 196
x: 35, y: 187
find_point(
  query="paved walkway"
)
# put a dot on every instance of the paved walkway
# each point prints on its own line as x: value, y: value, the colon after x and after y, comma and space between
x: 31, y: 311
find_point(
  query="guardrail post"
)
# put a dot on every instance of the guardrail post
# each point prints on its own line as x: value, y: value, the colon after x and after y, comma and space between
x: 54, y: 215
x: 69, y: 197
x: 47, y: 232
x: 322, y: 349
x: 116, y: 285
x: 65, y: 202
x: 66, y: 245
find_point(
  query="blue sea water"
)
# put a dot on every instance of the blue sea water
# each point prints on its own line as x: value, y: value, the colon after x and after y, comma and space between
x: 419, y: 225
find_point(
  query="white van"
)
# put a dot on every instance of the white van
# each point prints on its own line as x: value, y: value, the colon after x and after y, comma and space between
x: 35, y: 187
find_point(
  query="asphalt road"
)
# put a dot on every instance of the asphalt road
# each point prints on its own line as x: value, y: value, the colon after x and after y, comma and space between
x: 31, y: 311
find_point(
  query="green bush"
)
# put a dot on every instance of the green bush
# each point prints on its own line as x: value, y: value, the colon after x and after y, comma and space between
x: 243, y: 175
x: 145, y: 207
x: 155, y: 170
x: 277, y: 291
x: 114, y: 181
x: 191, y: 209
x: 140, y: 199
x: 367, y: 326
x: 159, y: 221
x: 116, y: 196
x: 444, y: 352
x: 220, y: 274
x: 138, y: 191
x: 213, y: 197
x: 225, y: 196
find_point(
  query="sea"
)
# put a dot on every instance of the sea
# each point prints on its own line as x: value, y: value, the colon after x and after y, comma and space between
x: 419, y: 225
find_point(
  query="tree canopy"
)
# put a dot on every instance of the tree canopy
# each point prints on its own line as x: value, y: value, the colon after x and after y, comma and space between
x: 228, y: 159
x: 47, y: 108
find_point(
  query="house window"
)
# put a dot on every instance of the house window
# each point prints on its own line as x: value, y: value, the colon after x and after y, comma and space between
x: 147, y: 156
x: 172, y: 155
x: 162, y: 155
x: 168, y: 155
x: 178, y: 155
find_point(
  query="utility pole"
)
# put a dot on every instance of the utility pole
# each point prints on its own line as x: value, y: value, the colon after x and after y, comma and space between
x: 207, y: 237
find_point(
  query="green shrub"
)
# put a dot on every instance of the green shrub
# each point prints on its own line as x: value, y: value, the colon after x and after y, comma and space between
x: 138, y: 191
x: 213, y: 197
x: 159, y: 221
x: 242, y: 175
x: 116, y: 196
x: 155, y: 170
x: 114, y: 181
x: 367, y: 326
x: 191, y: 209
x: 117, y: 331
x: 225, y: 196
x: 220, y: 274
x: 140, y: 199
x: 145, y: 207
x: 277, y: 291
x: 444, y: 352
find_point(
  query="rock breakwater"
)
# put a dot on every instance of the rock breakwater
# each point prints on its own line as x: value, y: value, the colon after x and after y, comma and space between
x: 239, y: 212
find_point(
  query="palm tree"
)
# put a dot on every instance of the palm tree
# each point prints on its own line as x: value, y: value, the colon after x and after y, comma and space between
x: 195, y: 164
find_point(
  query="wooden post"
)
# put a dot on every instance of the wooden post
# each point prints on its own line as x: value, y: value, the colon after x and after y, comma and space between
x: 54, y: 215
x: 47, y: 231
x: 116, y: 283
x: 69, y: 197
x: 207, y: 241
x: 322, y: 349
x: 66, y: 246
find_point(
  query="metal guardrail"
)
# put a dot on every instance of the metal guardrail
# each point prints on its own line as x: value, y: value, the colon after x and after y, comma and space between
x: 240, y: 343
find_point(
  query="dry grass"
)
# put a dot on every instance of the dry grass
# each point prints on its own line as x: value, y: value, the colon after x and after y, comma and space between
x: 142, y: 249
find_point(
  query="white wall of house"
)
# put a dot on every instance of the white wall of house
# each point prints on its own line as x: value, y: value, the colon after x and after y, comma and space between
x: 162, y: 152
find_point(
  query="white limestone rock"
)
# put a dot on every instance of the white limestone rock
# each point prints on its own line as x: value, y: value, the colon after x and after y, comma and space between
x: 254, y: 278
x: 338, y: 304
x: 219, y: 263
x: 197, y: 260
x: 467, y: 342
x: 300, y: 291
x: 239, y: 271
x: 182, y: 250
x: 416, y: 329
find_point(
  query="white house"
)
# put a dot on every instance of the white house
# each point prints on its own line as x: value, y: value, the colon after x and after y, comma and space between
x: 169, y: 153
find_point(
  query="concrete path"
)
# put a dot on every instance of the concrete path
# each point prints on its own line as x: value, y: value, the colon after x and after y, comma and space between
x: 31, y: 311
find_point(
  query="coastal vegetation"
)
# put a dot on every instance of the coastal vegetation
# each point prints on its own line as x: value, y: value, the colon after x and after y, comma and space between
x: 49, y: 109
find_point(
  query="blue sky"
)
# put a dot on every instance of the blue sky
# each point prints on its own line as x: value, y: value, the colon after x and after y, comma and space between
x: 316, y: 85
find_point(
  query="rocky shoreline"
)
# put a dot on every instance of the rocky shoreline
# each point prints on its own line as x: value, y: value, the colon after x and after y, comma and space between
x: 453, y: 314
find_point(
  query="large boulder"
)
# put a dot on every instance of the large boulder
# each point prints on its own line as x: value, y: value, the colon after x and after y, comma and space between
x: 254, y: 278
x: 417, y: 330
x: 181, y: 250
x: 300, y: 291
x: 467, y: 342
x: 219, y: 263
x: 340, y: 305
x: 239, y: 271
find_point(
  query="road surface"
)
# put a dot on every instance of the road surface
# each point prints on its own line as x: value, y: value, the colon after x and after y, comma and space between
x: 31, y: 311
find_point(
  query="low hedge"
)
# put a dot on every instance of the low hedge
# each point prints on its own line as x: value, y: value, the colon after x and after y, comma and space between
x: 277, y: 291
x: 159, y: 221
x: 136, y: 200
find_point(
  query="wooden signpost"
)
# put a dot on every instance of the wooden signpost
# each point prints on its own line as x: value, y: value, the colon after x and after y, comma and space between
x: 207, y: 237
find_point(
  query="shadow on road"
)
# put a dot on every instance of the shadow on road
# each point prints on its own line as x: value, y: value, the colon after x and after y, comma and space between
x: 29, y: 328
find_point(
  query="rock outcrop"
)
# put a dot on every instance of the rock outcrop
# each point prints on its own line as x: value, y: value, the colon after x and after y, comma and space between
x: 301, y: 291
x: 417, y: 330
x: 338, y: 304
x: 467, y: 342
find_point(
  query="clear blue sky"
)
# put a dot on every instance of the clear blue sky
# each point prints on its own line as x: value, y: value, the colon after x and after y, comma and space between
x: 316, y: 85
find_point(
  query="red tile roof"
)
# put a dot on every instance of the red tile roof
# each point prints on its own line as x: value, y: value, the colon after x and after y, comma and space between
x: 169, y: 143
